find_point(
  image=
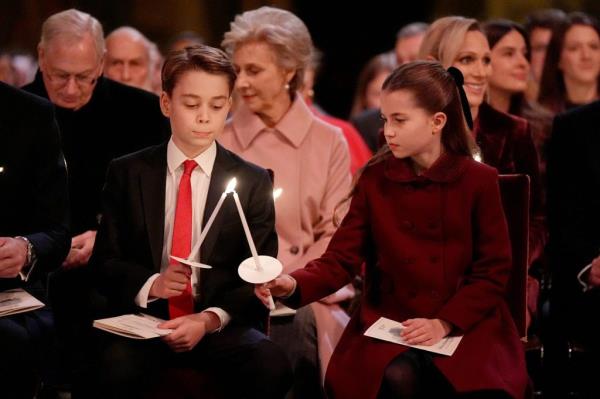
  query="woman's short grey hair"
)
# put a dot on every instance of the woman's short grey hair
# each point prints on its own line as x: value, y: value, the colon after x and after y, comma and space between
x: 283, y: 31
x: 72, y: 25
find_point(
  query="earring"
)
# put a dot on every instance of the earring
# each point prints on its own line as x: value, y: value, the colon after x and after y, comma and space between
x: 287, y: 86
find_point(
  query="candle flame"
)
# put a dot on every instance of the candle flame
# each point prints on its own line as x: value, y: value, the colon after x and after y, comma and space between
x: 277, y: 193
x: 231, y: 186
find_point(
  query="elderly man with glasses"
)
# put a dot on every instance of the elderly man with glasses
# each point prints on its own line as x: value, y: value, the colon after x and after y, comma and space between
x: 99, y: 119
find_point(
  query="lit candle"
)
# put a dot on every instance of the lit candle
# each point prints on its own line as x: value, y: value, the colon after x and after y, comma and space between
x: 229, y: 189
x: 247, y: 231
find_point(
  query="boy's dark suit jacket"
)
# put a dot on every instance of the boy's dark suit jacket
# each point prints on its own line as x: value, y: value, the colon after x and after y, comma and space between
x: 130, y: 240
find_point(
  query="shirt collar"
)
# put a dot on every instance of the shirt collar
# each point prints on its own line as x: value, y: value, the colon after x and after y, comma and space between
x: 206, y: 160
x: 294, y: 125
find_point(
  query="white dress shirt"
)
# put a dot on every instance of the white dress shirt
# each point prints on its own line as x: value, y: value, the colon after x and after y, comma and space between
x: 200, y: 181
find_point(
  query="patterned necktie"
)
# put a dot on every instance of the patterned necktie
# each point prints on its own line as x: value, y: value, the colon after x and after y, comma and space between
x: 181, y: 243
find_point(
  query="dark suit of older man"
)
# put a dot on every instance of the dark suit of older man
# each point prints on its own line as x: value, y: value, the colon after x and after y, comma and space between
x: 34, y: 234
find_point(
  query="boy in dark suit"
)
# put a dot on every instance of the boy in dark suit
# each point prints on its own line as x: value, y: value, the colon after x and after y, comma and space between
x: 154, y: 205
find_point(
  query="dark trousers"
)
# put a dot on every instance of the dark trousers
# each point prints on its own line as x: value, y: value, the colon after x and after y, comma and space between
x: 413, y: 375
x: 244, y: 361
x: 26, y: 352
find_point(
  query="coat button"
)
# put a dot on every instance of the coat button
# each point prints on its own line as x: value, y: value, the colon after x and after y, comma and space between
x: 435, y: 294
x: 412, y: 293
x: 294, y: 250
x: 432, y: 225
x: 434, y: 259
x: 407, y: 224
x: 387, y: 285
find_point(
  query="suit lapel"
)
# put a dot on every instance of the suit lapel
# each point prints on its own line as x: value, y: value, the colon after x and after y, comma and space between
x: 221, y: 174
x: 152, y: 181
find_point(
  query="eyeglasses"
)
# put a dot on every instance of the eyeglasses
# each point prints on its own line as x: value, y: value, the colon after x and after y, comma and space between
x: 62, y: 78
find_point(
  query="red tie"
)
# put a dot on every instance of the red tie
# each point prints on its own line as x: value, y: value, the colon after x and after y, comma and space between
x: 181, y: 243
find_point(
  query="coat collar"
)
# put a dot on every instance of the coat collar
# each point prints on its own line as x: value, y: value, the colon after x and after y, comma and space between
x: 294, y: 125
x: 447, y: 168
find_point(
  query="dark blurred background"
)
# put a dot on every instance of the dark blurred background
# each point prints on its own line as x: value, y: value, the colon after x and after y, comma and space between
x: 348, y: 33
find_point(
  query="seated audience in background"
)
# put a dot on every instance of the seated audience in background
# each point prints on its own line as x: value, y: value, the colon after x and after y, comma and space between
x: 408, y: 42
x: 572, y: 66
x: 574, y: 245
x: 34, y: 235
x: 422, y: 185
x: 359, y: 152
x: 366, y: 97
x: 16, y: 68
x: 155, y: 202
x: 368, y: 86
x: 99, y: 118
x: 273, y: 127
x: 129, y: 58
x: 7, y: 69
x: 185, y: 39
x: 539, y: 26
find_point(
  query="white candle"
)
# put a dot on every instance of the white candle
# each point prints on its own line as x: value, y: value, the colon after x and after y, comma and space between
x: 230, y: 187
x: 247, y: 231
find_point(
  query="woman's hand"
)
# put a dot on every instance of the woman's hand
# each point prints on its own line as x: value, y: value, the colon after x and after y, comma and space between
x: 425, y: 331
x: 282, y: 286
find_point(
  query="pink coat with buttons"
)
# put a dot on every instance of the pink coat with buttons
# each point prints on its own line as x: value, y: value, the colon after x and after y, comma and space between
x: 311, y: 164
x: 436, y: 246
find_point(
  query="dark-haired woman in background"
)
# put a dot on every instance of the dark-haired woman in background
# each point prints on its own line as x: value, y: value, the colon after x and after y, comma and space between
x: 572, y: 65
x: 510, y: 52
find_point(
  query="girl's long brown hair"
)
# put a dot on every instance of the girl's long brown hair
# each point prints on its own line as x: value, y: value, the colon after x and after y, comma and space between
x: 435, y: 90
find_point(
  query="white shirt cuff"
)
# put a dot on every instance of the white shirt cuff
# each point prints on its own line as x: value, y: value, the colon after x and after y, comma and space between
x: 582, y: 280
x: 141, y: 299
x: 223, y: 316
x: 25, y: 274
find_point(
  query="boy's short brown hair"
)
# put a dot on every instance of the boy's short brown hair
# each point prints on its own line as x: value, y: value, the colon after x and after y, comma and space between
x: 196, y: 58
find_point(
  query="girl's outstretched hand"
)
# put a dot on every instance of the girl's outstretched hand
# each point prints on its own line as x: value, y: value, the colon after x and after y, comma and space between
x: 282, y: 286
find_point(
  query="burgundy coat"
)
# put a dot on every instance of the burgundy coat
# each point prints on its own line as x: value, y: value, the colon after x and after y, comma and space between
x: 436, y: 246
x: 506, y: 143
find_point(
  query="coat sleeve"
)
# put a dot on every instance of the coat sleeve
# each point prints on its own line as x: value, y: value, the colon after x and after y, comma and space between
x: 571, y: 200
x: 484, y: 282
x: 118, y: 279
x: 343, y: 258
x: 338, y: 186
x: 51, y: 213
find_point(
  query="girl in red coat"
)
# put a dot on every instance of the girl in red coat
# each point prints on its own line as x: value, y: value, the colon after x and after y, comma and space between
x: 427, y: 221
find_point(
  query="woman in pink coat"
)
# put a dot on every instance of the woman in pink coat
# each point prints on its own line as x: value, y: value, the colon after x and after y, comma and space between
x: 273, y: 127
x: 428, y: 221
